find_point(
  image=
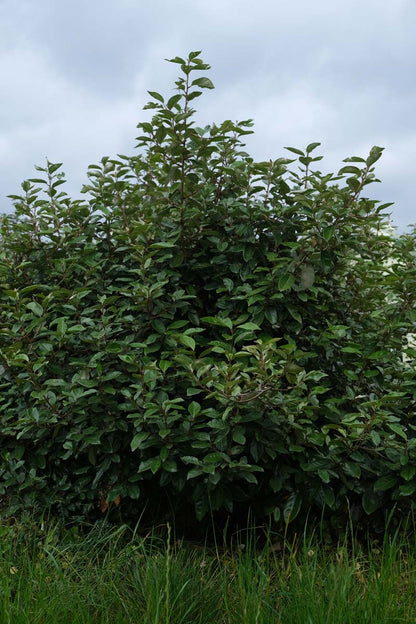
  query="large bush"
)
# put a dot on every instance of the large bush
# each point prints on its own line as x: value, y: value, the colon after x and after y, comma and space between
x: 206, y: 329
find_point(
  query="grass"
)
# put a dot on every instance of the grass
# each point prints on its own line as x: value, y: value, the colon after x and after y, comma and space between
x: 107, y: 574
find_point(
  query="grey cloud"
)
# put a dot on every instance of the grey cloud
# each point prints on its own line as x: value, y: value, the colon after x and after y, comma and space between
x: 97, y: 46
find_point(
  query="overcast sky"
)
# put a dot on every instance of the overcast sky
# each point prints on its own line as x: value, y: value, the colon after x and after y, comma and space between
x: 74, y: 77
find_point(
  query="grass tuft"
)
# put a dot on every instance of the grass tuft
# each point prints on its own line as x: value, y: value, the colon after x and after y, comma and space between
x: 110, y: 574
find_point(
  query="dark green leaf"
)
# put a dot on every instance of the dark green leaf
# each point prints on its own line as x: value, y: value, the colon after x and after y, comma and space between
x: 138, y: 439
x: 156, y: 96
x: 311, y: 147
x: 174, y: 101
x: 349, y: 169
x: 177, y: 59
x: 375, y: 154
x: 408, y: 471
x: 295, y: 150
x: 371, y: 502
x: 294, y: 313
x: 407, y: 489
x: 292, y: 507
x: 385, y: 483
x: 238, y: 435
x: 204, y: 83
x: 398, y: 429
x: 286, y: 281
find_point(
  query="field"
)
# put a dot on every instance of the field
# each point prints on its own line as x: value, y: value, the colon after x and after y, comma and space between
x: 119, y: 575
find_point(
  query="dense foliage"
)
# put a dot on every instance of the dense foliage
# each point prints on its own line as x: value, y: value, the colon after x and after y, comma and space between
x: 206, y: 329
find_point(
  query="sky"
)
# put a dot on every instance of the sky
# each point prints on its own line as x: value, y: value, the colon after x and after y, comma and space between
x: 75, y: 76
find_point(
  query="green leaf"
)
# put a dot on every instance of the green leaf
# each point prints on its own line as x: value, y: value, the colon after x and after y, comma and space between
x: 159, y: 326
x: 177, y: 59
x: 354, y: 184
x: 354, y: 159
x: 375, y: 437
x: 324, y: 475
x: 349, y: 169
x: 127, y: 358
x: 138, y: 439
x: 55, y: 383
x: 156, y: 96
x: 249, y: 477
x: 213, y: 458
x: 385, y: 483
x: 408, y: 472
x: 133, y: 491
x: 52, y: 167
x: 178, y: 325
x: 204, y: 83
x: 408, y: 489
x: 285, y: 282
x: 353, y: 469
x: 155, y: 464
x: 92, y: 455
x: 174, y: 101
x: 248, y: 253
x: 190, y: 459
x: 193, y: 95
x: 218, y: 320
x: 201, y: 508
x: 249, y: 326
x: 271, y: 315
x: 375, y: 154
x: 294, y: 313
x: 194, y: 472
x: 398, y: 429
x: 292, y: 507
x: 35, y: 307
x: 164, y: 365
x: 328, y: 233
x: 371, y: 502
x: 276, y: 484
x: 193, y: 391
x: 163, y: 245
x: 194, y: 409
x: 61, y: 327
x: 188, y: 341
x: 295, y: 150
x: 238, y: 435
x: 18, y: 452
x: 311, y: 147
x: 327, y: 496
x: 377, y: 355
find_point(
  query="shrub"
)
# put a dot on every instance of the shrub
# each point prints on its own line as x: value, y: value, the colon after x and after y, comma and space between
x: 206, y: 328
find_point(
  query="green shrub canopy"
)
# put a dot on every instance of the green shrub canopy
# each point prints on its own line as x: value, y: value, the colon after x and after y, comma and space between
x: 207, y: 329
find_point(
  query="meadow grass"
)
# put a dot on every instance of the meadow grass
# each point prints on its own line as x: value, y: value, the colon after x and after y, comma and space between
x: 109, y: 574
